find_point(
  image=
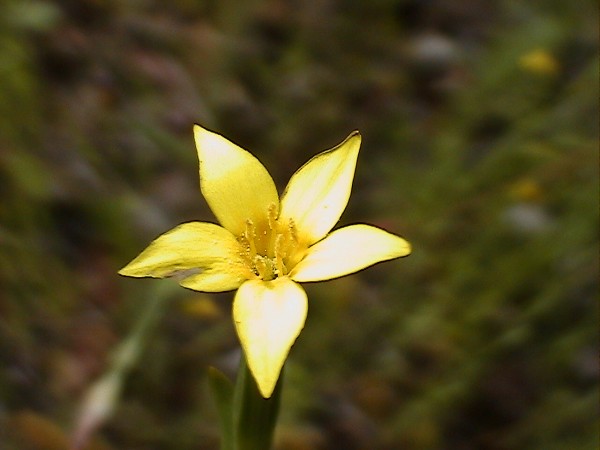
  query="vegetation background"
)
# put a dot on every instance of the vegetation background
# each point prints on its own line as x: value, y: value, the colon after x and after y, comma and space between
x: 480, y: 126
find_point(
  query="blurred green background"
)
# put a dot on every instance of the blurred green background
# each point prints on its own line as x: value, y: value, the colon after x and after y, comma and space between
x: 480, y: 146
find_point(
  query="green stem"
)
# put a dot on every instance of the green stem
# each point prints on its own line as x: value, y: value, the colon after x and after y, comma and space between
x: 254, y: 417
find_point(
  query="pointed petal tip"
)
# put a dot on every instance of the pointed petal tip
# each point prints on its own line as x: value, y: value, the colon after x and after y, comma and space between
x: 266, y: 390
x: 399, y: 247
x: 407, y: 249
x: 198, y: 129
x: 201, y: 133
x: 129, y: 271
x: 354, y: 134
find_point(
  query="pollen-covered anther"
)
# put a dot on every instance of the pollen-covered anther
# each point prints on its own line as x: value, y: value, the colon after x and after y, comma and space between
x: 249, y: 236
x: 292, y: 230
x: 272, y: 214
x: 280, y: 253
x: 262, y: 267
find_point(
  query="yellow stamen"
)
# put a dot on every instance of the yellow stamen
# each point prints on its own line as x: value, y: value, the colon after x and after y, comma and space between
x: 279, y: 255
x: 250, y: 236
x: 270, y: 248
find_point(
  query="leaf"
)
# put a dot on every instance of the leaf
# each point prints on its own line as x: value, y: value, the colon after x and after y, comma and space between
x: 222, y: 391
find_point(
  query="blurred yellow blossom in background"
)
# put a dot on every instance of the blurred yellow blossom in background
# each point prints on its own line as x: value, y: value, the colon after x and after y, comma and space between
x: 539, y: 61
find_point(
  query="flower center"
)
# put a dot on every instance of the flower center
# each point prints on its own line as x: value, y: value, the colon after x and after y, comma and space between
x: 271, y: 249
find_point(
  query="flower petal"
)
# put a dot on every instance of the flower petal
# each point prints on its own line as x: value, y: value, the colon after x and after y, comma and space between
x: 203, y: 256
x: 235, y: 184
x: 268, y: 316
x: 318, y: 192
x: 348, y: 250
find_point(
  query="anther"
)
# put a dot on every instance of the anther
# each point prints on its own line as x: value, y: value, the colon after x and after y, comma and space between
x: 292, y: 230
x: 250, y: 235
x: 272, y: 216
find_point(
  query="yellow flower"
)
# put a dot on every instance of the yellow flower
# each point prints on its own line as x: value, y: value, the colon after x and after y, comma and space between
x: 265, y: 245
x: 540, y: 62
